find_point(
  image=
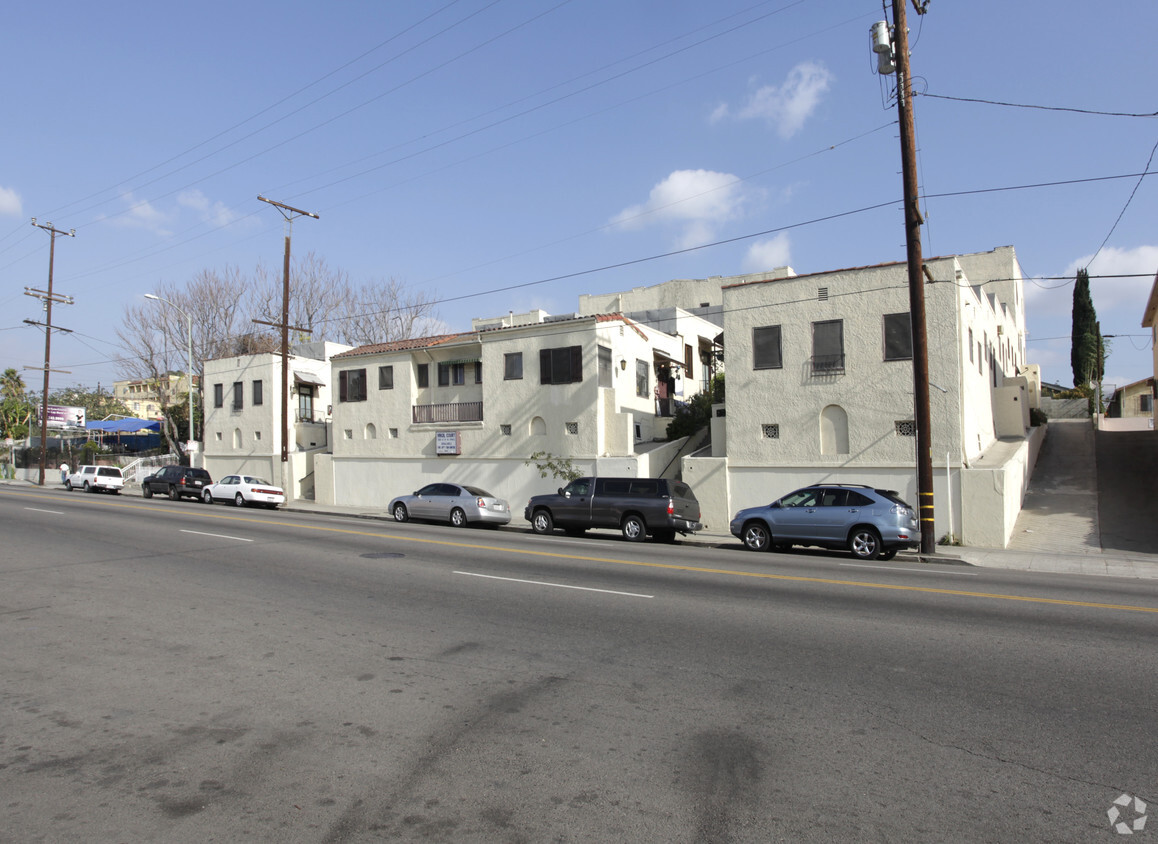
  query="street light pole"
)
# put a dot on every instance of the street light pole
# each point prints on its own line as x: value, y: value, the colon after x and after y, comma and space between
x: 189, y: 353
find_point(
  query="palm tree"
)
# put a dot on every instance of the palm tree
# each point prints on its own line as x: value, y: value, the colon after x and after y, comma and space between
x: 11, y: 385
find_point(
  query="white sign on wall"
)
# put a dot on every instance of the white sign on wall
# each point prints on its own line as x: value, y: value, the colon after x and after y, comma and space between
x: 447, y: 442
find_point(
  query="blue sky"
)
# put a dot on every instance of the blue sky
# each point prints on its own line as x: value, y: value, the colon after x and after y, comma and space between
x: 470, y: 147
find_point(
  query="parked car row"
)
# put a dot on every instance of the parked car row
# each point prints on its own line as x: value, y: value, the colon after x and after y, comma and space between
x: 871, y: 524
x: 179, y: 482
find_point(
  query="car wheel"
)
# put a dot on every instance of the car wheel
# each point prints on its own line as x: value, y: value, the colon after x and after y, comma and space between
x: 634, y: 530
x: 68, y: 485
x: 173, y: 494
x: 756, y: 536
x: 400, y: 513
x: 541, y: 522
x: 865, y: 543
x: 239, y: 500
x: 888, y: 555
x: 458, y: 517
x: 146, y: 492
x: 207, y: 497
x: 87, y: 487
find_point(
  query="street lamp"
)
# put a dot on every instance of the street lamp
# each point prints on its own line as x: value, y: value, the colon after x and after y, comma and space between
x: 189, y: 349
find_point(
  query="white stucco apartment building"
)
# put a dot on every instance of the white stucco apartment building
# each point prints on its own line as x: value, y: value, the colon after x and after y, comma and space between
x: 243, y: 430
x: 472, y: 407
x: 820, y: 388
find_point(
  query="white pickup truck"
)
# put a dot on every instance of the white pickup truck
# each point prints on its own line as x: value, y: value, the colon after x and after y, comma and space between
x: 96, y: 479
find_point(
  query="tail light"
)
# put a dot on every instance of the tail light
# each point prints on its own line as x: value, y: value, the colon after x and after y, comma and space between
x: 481, y: 502
x: 670, y: 507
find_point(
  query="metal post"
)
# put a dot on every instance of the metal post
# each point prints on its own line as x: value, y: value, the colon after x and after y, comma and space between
x: 913, y: 222
x: 53, y: 233
x: 290, y: 213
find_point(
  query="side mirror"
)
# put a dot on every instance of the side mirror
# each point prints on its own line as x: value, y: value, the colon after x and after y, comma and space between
x: 775, y: 505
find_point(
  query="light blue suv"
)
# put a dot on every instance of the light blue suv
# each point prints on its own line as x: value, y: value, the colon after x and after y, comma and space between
x: 872, y: 524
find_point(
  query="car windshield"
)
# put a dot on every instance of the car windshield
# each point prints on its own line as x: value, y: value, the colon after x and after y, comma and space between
x: 475, y: 491
x: 105, y: 470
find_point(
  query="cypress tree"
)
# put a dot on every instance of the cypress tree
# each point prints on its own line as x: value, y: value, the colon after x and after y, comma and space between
x: 1085, y: 339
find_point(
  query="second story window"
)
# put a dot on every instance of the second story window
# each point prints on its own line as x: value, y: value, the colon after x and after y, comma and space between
x: 451, y: 374
x: 386, y: 378
x: 766, y: 352
x: 238, y: 395
x: 828, y: 347
x: 563, y: 365
x: 218, y: 395
x: 352, y: 385
x: 641, y: 379
x: 898, y: 337
x: 513, y: 366
x: 422, y: 373
x: 258, y: 397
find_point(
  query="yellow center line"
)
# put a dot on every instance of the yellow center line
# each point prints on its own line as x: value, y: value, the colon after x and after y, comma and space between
x: 828, y: 581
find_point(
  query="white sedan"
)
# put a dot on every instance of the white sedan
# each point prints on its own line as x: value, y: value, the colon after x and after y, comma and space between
x: 243, y: 490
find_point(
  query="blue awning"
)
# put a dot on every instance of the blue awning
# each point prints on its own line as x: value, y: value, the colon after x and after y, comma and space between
x: 124, y: 426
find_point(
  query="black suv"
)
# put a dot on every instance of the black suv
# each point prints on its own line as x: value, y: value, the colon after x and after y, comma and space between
x: 176, y: 482
x: 635, y: 506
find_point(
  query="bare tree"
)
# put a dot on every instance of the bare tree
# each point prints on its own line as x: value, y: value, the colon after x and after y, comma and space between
x: 384, y: 311
x: 224, y: 303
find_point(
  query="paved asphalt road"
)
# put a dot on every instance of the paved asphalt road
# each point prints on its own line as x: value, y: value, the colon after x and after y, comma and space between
x: 178, y: 672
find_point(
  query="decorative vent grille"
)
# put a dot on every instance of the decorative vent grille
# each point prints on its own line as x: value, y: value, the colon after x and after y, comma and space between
x: 906, y: 428
x: 771, y: 431
x: 572, y: 427
x: 505, y: 430
x: 822, y: 294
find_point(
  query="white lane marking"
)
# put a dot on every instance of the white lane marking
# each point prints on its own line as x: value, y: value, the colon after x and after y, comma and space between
x: 556, y: 585
x: 218, y: 535
x: 919, y: 571
x: 36, y: 510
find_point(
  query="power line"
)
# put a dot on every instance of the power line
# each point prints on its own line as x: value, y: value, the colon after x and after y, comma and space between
x: 1129, y: 199
x: 1040, y: 107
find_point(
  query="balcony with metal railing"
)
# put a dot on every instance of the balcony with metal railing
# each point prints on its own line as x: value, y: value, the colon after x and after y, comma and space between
x: 466, y: 411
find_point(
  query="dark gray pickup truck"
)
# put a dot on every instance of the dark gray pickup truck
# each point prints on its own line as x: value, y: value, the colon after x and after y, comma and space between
x: 635, y: 506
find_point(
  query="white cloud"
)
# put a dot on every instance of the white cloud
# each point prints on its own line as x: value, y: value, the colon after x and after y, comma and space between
x: 1111, y: 293
x: 786, y: 107
x: 141, y: 214
x: 768, y: 254
x: 697, y: 201
x: 10, y: 204
x: 215, y: 213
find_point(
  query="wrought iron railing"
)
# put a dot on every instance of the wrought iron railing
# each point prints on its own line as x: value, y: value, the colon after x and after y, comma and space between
x: 827, y: 364
x: 466, y: 411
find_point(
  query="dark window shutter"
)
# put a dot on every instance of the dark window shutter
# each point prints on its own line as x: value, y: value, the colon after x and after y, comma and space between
x: 576, y: 363
x: 342, y: 385
x: 544, y: 366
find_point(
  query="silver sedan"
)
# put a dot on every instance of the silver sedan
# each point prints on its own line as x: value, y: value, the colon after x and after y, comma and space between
x: 457, y: 504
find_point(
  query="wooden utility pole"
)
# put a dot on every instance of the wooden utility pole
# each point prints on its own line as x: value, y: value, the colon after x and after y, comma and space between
x: 290, y: 213
x: 913, y: 220
x: 49, y: 298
